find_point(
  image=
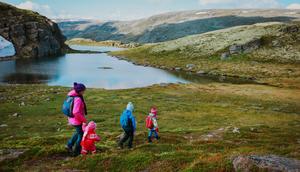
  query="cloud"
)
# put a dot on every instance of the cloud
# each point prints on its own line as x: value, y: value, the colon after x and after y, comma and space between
x: 45, y: 10
x: 293, y: 6
x: 208, y: 2
x: 239, y: 3
x: 42, y: 9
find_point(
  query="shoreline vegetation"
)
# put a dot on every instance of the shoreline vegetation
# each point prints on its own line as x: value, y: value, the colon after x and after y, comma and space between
x: 110, y: 43
x: 211, y: 124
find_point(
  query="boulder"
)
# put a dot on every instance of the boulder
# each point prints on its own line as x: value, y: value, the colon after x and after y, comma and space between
x: 201, y: 72
x: 177, y: 68
x: 245, y: 48
x: 265, y: 163
x: 224, y: 56
x: 235, y: 49
x: 190, y: 66
x: 31, y: 34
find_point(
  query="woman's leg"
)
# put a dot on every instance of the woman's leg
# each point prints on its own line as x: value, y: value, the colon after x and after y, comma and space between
x: 79, y: 138
x: 73, y: 139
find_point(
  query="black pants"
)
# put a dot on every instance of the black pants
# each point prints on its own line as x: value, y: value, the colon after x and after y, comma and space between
x: 127, y: 135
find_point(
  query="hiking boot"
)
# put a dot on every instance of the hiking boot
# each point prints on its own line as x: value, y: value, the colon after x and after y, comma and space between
x: 149, y: 140
x: 68, y: 148
x: 120, y: 146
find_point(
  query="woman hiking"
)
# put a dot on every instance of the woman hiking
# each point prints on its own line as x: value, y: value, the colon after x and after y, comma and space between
x: 79, y: 111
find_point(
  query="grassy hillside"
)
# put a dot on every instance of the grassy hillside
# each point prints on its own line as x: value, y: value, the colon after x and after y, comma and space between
x: 275, y: 60
x: 196, y: 127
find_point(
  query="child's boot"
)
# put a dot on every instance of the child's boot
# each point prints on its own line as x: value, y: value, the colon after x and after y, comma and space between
x: 149, y: 140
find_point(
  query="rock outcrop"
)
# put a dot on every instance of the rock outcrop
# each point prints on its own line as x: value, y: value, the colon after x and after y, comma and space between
x: 33, y: 35
x: 265, y: 163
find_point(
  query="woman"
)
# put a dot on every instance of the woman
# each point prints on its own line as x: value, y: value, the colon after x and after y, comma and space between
x: 79, y: 111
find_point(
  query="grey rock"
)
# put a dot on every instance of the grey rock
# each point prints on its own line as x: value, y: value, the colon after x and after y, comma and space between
x: 252, y: 45
x: 265, y: 163
x: 177, y: 68
x: 245, y: 48
x: 190, y: 66
x: 15, y: 115
x: 235, y: 49
x: 201, y: 72
x: 236, y: 130
x: 224, y: 56
x: 3, y: 125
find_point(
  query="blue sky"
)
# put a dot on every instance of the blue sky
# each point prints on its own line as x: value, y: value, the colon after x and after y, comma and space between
x: 134, y: 9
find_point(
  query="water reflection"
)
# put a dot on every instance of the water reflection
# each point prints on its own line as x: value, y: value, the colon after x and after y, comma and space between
x: 95, y: 70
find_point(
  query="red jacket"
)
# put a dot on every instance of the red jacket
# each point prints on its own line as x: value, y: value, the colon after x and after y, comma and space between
x: 89, y: 137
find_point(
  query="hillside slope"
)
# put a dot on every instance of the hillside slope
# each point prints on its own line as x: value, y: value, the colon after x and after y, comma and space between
x: 268, y: 53
x: 33, y: 35
x: 172, y: 25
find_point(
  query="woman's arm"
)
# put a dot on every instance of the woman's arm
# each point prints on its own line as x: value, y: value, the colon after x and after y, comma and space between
x: 78, y: 110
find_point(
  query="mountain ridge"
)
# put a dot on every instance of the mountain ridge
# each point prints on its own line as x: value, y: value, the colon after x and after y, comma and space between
x: 172, y: 25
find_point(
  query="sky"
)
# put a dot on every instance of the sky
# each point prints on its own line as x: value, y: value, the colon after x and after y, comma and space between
x: 136, y: 9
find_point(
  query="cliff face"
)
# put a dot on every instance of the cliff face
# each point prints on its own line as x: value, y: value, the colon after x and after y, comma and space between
x: 33, y: 35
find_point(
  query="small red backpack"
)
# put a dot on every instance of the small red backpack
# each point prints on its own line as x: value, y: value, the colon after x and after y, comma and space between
x: 149, y: 123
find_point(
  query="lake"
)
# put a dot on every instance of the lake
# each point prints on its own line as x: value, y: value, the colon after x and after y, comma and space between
x: 94, y: 70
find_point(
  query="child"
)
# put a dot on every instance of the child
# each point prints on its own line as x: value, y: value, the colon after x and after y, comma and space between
x: 128, y: 124
x: 151, y: 124
x: 89, y: 138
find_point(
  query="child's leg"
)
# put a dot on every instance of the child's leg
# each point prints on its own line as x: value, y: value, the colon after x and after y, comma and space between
x: 150, y: 135
x: 84, y: 151
x: 131, y: 135
x: 123, y: 139
x: 155, y: 134
x: 93, y: 149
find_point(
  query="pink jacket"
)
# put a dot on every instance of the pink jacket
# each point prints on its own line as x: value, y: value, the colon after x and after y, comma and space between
x: 78, y: 110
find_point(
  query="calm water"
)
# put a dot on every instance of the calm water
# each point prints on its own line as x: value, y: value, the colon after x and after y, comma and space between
x: 95, y: 70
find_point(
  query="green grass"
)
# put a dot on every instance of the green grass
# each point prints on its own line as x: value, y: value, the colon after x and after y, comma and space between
x: 268, y: 119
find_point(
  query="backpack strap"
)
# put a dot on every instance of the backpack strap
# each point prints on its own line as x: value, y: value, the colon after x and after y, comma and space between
x: 72, y: 105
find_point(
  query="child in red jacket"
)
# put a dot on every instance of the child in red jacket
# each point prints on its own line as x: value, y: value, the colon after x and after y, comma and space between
x: 89, y: 138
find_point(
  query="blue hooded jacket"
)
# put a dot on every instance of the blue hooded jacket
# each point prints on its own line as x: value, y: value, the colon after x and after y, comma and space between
x: 127, y: 119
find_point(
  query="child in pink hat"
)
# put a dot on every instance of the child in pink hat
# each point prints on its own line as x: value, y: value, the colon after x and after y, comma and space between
x: 89, y: 138
x: 152, y: 125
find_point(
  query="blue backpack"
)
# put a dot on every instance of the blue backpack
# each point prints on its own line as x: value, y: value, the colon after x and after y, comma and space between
x: 124, y: 120
x: 67, y: 108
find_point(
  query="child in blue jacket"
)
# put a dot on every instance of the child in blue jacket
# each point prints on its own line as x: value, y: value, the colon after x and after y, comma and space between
x: 128, y: 124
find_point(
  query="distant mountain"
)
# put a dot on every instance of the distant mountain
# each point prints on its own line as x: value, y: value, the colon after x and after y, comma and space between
x: 173, y: 25
x: 31, y: 34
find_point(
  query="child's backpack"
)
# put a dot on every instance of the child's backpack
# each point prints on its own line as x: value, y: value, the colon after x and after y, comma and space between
x: 124, y: 120
x: 67, y: 108
x: 149, y: 122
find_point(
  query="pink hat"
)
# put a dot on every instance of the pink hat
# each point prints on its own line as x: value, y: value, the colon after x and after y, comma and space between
x: 153, y: 111
x: 92, y: 125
